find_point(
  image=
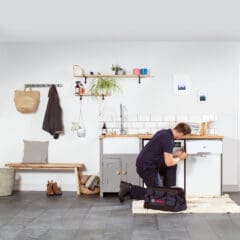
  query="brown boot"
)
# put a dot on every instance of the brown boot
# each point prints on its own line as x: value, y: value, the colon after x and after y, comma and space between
x: 56, y: 189
x: 50, y: 189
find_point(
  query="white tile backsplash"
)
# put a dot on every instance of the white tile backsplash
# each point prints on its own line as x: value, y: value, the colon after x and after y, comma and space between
x: 133, y: 131
x: 156, y: 117
x: 208, y: 118
x: 111, y: 125
x: 211, y: 131
x: 109, y: 118
x: 151, y: 123
x: 132, y: 117
x: 139, y: 125
x: 182, y: 118
x: 169, y: 118
x: 195, y: 119
x: 143, y: 117
x: 162, y: 125
x: 143, y: 130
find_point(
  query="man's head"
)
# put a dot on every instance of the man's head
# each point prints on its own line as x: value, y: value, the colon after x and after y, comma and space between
x: 181, y: 130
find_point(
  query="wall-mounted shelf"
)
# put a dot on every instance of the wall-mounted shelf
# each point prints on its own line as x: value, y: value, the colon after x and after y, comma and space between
x: 91, y: 95
x: 86, y: 76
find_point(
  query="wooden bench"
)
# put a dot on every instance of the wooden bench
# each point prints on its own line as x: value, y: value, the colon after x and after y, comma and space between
x: 76, y: 167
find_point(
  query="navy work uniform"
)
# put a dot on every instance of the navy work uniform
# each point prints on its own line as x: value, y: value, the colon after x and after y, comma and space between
x: 150, y: 163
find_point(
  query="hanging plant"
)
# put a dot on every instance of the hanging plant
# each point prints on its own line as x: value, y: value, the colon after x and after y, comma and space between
x: 104, y: 86
x: 78, y: 126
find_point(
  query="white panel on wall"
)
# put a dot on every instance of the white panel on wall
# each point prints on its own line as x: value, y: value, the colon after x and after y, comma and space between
x: 212, y: 66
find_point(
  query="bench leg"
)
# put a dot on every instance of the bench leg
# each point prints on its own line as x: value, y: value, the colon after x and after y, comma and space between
x: 77, y: 175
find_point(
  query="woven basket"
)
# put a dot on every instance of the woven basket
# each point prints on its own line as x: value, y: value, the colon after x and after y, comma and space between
x: 86, y: 191
x: 26, y: 101
x: 7, y: 177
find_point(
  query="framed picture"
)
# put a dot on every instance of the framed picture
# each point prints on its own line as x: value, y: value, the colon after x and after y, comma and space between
x: 181, y: 84
x: 202, y: 97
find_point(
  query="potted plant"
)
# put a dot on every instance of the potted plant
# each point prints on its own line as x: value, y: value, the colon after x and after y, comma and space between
x: 104, y: 86
x: 117, y: 70
x: 79, y: 128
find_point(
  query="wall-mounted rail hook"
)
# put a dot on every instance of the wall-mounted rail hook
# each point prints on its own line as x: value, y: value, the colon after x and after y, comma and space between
x: 33, y: 85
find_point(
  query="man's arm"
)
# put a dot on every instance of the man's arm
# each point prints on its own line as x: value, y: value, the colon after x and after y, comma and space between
x: 171, y: 161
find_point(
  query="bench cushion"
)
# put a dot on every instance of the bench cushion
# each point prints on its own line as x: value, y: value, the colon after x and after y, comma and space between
x: 35, y: 151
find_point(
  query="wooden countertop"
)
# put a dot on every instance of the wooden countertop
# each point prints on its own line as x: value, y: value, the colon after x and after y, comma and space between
x: 149, y: 136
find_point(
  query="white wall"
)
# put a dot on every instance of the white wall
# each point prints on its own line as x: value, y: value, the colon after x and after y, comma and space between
x: 212, y: 66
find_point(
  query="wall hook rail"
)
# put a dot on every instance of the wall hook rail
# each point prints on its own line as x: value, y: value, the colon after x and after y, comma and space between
x: 41, y: 85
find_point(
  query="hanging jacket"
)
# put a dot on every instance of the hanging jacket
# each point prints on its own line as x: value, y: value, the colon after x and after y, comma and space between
x: 53, y: 116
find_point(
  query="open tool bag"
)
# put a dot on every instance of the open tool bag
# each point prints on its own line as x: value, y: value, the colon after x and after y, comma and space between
x: 165, y: 199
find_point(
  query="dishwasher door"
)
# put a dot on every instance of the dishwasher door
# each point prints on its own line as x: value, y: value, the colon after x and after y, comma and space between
x: 203, y: 175
x: 179, y: 145
x: 203, y: 167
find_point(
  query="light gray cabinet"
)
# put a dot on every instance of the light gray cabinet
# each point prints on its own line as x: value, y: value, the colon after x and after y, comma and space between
x: 129, y: 173
x: 118, y: 162
x: 111, y: 172
x: 116, y: 168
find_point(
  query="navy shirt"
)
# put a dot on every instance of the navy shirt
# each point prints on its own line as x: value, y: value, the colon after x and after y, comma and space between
x: 152, y: 155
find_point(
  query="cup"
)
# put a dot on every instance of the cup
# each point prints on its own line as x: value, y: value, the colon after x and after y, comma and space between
x: 144, y: 71
x: 136, y: 71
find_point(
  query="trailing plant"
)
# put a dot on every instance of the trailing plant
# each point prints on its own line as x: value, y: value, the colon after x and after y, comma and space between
x: 104, y: 86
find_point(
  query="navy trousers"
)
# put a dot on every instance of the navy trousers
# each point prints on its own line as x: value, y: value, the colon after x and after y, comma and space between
x: 151, y: 177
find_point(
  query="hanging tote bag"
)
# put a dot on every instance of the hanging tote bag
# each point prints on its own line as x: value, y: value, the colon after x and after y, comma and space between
x: 26, y: 101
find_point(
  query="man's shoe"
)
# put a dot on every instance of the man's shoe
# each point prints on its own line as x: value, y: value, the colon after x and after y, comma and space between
x: 125, y: 189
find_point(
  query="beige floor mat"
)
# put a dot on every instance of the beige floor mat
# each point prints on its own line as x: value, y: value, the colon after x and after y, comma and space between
x: 220, y: 204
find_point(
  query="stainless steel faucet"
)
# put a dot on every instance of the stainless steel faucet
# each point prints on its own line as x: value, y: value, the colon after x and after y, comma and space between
x: 122, y: 117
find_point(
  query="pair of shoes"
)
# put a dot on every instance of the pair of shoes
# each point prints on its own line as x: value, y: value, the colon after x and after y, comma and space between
x: 125, y: 190
x: 53, y: 189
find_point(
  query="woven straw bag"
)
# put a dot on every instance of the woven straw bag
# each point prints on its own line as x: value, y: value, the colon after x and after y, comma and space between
x: 26, y: 101
x: 7, y: 177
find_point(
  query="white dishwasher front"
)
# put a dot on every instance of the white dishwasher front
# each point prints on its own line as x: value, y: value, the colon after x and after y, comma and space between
x: 203, y: 167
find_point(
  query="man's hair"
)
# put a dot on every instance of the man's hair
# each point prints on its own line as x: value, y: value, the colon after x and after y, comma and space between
x: 183, y: 128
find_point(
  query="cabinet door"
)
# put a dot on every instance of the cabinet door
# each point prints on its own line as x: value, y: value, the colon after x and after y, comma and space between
x: 111, y: 173
x: 204, y: 146
x: 129, y: 173
x: 203, y: 174
x: 121, y: 145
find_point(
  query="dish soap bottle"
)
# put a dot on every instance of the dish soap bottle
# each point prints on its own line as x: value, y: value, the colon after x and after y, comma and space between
x: 82, y: 89
x: 104, y: 129
x: 77, y: 88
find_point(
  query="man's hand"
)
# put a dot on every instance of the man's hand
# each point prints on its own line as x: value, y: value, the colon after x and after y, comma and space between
x: 182, y: 156
x: 177, y: 153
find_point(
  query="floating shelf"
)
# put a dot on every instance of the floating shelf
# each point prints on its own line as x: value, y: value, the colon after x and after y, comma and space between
x: 113, y: 76
x: 91, y: 95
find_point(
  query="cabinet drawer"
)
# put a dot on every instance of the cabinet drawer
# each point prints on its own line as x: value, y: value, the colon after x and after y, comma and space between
x: 204, y: 146
x: 120, y: 145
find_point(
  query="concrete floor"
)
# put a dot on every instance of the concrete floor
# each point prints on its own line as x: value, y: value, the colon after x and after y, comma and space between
x: 33, y: 215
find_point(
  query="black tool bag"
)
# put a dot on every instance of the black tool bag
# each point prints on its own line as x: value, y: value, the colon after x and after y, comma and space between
x: 165, y: 199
